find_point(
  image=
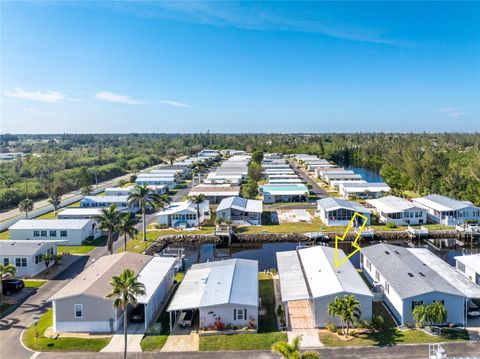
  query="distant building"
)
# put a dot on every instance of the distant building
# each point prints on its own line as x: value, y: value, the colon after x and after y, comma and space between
x: 74, y: 231
x: 448, y: 211
x: 363, y: 190
x: 149, y: 179
x: 118, y: 191
x: 284, y: 193
x: 26, y: 256
x: 469, y: 266
x: 310, y: 275
x: 339, y: 212
x: 184, y: 214
x: 392, y: 209
x: 79, y: 213
x: 105, y: 201
x: 215, y: 193
x: 240, y: 210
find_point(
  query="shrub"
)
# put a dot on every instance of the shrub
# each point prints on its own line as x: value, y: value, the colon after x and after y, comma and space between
x: 377, y: 322
x: 281, y: 315
x: 363, y: 324
x: 391, y: 225
x: 331, y: 327
x: 310, y: 355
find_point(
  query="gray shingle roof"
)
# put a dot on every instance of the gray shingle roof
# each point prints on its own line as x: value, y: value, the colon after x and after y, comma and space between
x: 406, y: 273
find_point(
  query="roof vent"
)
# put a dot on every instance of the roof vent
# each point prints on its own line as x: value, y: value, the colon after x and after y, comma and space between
x: 411, y: 275
x: 397, y: 252
x: 387, y: 252
x: 423, y: 275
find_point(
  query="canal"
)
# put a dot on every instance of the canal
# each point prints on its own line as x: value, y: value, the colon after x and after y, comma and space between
x: 367, y: 174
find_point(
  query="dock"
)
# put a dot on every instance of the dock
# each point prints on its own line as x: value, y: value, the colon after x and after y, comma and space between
x: 419, y: 233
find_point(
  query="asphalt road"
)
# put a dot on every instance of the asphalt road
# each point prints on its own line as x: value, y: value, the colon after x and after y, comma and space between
x: 395, y: 352
x: 316, y: 189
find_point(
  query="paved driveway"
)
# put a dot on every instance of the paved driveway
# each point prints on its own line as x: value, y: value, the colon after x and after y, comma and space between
x: 182, y: 340
x: 301, y: 324
x: 134, y: 337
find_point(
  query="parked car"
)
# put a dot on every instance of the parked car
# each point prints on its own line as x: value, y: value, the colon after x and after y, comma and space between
x: 138, y: 314
x: 186, y: 318
x: 13, y: 285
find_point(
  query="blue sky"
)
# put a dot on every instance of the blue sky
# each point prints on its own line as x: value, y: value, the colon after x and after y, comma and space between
x: 239, y: 67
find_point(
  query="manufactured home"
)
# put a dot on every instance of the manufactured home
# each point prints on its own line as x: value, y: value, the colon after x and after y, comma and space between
x: 214, y: 193
x: 105, y: 201
x: 363, y: 190
x: 469, y: 266
x: 339, y: 212
x: 396, y: 210
x: 284, y: 193
x: 184, y: 214
x: 240, y: 210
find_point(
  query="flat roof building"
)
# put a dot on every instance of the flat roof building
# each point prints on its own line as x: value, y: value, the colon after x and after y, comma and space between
x: 273, y: 193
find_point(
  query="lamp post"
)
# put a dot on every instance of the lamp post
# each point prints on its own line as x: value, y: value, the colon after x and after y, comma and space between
x: 35, y: 322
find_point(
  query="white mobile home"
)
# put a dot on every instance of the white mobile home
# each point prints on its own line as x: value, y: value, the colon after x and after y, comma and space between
x: 448, y: 211
x: 155, y: 180
x: 405, y: 278
x: 339, y: 212
x: 105, y: 201
x: 79, y: 213
x: 81, y: 306
x: 74, y: 231
x: 469, y: 266
x: 345, y: 176
x: 26, y: 256
x: 225, y: 289
x: 292, y: 180
x: 363, y: 190
x: 118, y: 191
x: 310, y: 275
x: 217, y: 178
x: 215, y: 193
x: 399, y: 211
x: 184, y: 214
x: 336, y: 183
x: 284, y: 193
x: 240, y: 210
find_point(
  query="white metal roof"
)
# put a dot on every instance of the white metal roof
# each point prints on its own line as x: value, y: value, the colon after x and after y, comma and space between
x: 51, y: 224
x: 361, y: 187
x: 391, y: 204
x: 241, y: 204
x: 441, y: 203
x: 81, y: 211
x: 106, y: 199
x: 26, y: 248
x: 153, y: 274
x: 233, y: 281
x: 331, y: 203
x: 471, y: 261
x: 292, y: 282
x: 176, y: 207
x: 285, y: 189
x: 447, y: 272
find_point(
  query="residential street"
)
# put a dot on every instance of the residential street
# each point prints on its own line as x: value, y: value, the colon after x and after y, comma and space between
x: 316, y: 189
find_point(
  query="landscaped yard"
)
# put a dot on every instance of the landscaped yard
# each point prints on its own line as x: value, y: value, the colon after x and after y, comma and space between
x: 390, y: 334
x: 34, y: 283
x: 85, y: 248
x: 59, y: 344
x: 267, y: 334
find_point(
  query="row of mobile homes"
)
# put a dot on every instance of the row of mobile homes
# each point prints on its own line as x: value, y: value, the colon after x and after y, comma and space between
x: 184, y: 214
x: 27, y: 256
x: 321, y: 171
x: 273, y: 193
x: 81, y: 306
x: 344, y: 175
x: 469, y: 266
x: 224, y: 293
x: 152, y: 179
x: 339, y: 212
x: 363, y: 190
x: 448, y: 211
x: 309, y: 275
x: 240, y: 210
x: 407, y: 277
x: 397, y: 210
x: 214, y: 193
x: 73, y: 231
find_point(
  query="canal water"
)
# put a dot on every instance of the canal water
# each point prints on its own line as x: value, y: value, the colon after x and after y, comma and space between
x: 367, y: 175
x: 265, y: 253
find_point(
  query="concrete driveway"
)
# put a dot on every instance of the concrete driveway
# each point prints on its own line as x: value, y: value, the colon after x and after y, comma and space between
x: 135, y: 334
x: 182, y: 340
x: 301, y: 324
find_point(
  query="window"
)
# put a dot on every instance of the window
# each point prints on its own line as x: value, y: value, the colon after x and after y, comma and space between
x: 6, y: 261
x: 37, y: 259
x: 416, y: 303
x: 20, y: 262
x: 78, y: 309
x: 369, y: 265
x: 43, y: 233
x: 239, y: 314
x: 63, y: 233
x: 36, y: 233
x: 53, y: 233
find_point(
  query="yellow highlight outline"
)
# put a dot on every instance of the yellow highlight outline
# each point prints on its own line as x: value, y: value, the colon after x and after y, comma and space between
x: 354, y: 244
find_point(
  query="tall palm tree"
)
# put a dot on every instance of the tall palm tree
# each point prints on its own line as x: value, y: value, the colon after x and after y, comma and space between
x: 125, y: 290
x: 108, y: 220
x: 351, y: 310
x: 197, y: 199
x: 292, y: 351
x: 126, y: 227
x: 420, y: 315
x: 6, y: 271
x: 55, y: 200
x: 143, y: 197
x: 47, y: 258
x: 26, y: 206
x: 335, y: 309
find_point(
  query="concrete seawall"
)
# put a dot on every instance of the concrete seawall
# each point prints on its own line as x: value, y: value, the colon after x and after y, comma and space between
x: 164, y: 241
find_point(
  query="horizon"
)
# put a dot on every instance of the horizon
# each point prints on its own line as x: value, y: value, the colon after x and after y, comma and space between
x: 230, y: 67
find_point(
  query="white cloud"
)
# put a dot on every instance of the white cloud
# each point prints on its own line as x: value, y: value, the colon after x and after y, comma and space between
x: 452, y: 112
x: 175, y: 103
x: 117, y: 98
x: 41, y: 96
x: 31, y: 109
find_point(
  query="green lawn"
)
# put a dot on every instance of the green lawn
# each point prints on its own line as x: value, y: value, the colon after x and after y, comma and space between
x: 137, y: 245
x: 34, y: 283
x: 49, y: 215
x: 267, y: 334
x: 391, y: 335
x: 85, y: 248
x: 153, y: 343
x: 59, y: 344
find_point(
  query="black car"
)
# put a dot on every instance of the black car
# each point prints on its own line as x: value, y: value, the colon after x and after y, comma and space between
x: 12, y: 286
x: 137, y: 315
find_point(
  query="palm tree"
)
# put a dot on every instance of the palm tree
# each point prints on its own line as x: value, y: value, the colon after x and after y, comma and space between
x: 420, y: 315
x: 26, y: 206
x: 437, y: 313
x: 335, y: 309
x: 47, y: 258
x: 126, y: 227
x: 162, y: 200
x: 351, y: 310
x: 125, y: 290
x: 144, y: 196
x: 55, y: 200
x: 108, y: 220
x: 292, y: 351
x: 197, y: 199
x: 6, y: 271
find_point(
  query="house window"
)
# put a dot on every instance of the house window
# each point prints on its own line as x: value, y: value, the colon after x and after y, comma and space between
x: 461, y: 267
x: 63, y: 233
x: 78, y: 309
x: 37, y: 259
x: 6, y: 261
x: 43, y: 233
x: 416, y: 303
x: 53, y: 233
x: 20, y: 262
x: 387, y: 288
x: 369, y: 265
x: 36, y: 233
x: 377, y: 276
x: 239, y: 314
